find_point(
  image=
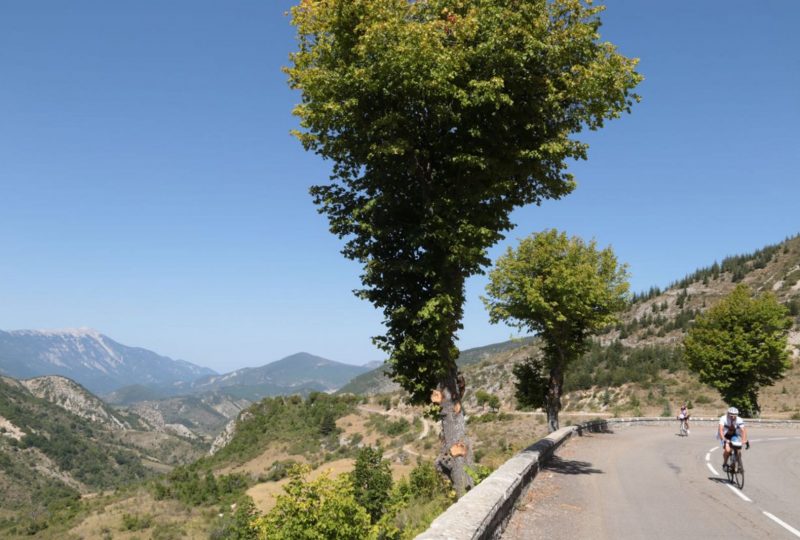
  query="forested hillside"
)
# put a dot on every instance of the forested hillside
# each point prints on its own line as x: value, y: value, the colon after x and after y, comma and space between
x: 637, y: 366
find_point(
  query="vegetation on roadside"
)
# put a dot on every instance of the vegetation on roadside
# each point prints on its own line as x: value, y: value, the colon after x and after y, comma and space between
x: 364, y: 504
x: 740, y: 345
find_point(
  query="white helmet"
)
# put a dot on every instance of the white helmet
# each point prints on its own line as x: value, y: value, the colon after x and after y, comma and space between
x: 734, y: 411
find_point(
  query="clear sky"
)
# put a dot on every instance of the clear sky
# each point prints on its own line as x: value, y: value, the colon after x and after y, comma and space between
x: 149, y: 187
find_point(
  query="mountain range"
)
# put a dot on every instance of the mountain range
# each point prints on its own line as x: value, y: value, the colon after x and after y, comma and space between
x: 96, y: 361
x: 299, y: 373
x: 126, y: 374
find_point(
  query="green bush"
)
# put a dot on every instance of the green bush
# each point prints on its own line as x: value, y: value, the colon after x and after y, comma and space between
x: 322, y: 508
x: 278, y: 470
x: 372, y: 481
x: 187, y: 485
x: 135, y: 522
x: 666, y: 412
x: 386, y: 426
x: 489, y: 417
x: 478, y: 473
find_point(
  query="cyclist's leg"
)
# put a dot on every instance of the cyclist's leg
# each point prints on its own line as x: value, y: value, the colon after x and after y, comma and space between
x: 726, y: 452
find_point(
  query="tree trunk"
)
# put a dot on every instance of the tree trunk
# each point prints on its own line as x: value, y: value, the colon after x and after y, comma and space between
x: 456, y: 451
x: 554, y: 389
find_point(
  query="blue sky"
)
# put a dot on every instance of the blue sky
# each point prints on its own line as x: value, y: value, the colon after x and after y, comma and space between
x: 149, y: 187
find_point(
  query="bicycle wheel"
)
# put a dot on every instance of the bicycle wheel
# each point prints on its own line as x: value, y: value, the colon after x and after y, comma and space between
x: 731, y: 466
x: 738, y: 475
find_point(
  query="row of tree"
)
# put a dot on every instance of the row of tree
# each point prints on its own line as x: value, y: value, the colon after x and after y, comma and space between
x: 440, y: 118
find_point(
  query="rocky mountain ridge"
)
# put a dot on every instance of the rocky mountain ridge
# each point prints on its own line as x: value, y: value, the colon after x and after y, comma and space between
x: 72, y: 397
x: 98, y: 362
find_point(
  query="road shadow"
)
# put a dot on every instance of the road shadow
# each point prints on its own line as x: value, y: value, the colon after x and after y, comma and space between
x: 718, y: 480
x: 565, y: 466
x: 595, y: 427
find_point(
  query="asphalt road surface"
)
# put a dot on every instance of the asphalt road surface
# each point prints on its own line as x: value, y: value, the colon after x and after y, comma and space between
x: 648, y: 482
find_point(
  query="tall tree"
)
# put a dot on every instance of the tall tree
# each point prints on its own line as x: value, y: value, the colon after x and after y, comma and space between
x: 440, y: 117
x: 740, y: 345
x: 564, y: 290
x: 372, y: 481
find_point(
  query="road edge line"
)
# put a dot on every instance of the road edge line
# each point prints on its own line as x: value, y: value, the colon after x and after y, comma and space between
x: 782, y: 523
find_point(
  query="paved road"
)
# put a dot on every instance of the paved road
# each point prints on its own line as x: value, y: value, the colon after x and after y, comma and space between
x: 647, y: 482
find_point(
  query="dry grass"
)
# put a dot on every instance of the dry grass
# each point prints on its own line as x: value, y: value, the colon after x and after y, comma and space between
x: 107, y: 522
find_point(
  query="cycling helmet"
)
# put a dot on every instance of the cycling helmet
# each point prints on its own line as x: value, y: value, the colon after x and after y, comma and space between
x: 734, y: 411
x: 736, y: 441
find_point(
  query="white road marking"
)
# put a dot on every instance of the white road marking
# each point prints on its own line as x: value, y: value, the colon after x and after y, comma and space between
x: 782, y: 524
x: 739, y: 493
x: 745, y: 497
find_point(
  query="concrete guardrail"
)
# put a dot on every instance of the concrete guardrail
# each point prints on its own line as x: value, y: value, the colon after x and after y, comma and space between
x: 483, y: 512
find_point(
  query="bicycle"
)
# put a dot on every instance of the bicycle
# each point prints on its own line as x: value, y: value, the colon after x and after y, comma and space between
x: 735, y: 466
x: 684, y: 429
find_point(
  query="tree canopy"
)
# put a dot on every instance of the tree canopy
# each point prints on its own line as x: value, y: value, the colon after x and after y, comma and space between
x: 562, y: 289
x: 740, y: 345
x: 440, y: 117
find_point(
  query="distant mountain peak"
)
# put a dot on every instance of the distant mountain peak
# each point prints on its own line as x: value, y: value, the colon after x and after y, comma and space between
x: 83, y: 331
x: 93, y: 359
x: 292, y: 374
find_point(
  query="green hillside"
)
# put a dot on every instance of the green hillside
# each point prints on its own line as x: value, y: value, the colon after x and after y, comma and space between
x: 378, y: 382
x: 49, y: 456
x: 637, y: 365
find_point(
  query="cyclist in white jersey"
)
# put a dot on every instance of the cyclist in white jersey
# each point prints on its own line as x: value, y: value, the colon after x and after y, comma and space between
x: 684, y: 415
x: 731, y: 424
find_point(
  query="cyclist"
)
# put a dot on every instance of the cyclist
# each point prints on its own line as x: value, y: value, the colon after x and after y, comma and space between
x: 731, y: 424
x: 684, y: 415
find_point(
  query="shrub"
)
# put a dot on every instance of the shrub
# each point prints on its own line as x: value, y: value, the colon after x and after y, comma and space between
x: 478, y: 473
x: 322, y: 508
x: 372, y: 481
x: 135, y: 522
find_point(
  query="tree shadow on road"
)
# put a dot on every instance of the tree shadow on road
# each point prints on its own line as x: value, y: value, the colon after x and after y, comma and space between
x: 564, y: 466
x: 596, y: 427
